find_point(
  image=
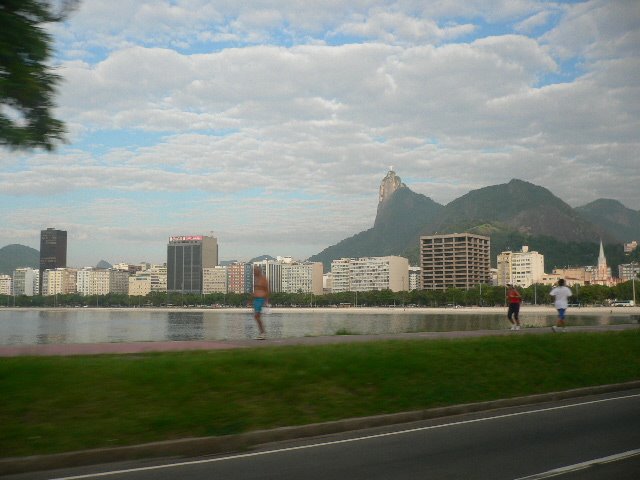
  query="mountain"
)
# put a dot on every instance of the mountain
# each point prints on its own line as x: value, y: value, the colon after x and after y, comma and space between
x: 18, y: 256
x: 402, y: 215
x: 513, y: 214
x: 261, y: 258
x: 622, y: 222
x: 103, y: 264
x: 518, y: 206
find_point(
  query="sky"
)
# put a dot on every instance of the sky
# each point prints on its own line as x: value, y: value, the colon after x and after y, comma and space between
x: 271, y: 123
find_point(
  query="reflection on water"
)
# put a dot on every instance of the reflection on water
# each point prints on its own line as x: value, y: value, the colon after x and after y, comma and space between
x: 102, y: 325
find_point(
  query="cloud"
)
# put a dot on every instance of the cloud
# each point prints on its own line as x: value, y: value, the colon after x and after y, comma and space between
x: 272, y: 123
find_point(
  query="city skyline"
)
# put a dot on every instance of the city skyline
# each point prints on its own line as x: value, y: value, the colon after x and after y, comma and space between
x: 263, y: 122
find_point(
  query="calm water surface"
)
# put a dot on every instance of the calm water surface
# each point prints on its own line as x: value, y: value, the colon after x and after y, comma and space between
x: 28, y: 327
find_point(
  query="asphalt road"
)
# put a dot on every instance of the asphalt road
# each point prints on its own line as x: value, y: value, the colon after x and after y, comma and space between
x: 590, y: 438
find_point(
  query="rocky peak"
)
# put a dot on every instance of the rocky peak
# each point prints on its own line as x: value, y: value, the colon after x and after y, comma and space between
x: 390, y: 183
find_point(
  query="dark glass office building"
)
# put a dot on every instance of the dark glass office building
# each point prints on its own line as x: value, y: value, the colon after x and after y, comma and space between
x: 186, y: 257
x: 53, y: 250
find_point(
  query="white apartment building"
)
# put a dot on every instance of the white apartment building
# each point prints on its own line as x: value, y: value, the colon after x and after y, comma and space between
x: 5, y: 285
x: 158, y: 274
x: 93, y: 281
x: 414, y: 278
x: 26, y: 281
x: 59, y: 281
x: 272, y: 269
x: 102, y: 281
x: 289, y: 276
x: 214, y: 280
x: 370, y: 273
x: 341, y: 275
x: 523, y: 268
x: 139, y: 285
x: 305, y: 277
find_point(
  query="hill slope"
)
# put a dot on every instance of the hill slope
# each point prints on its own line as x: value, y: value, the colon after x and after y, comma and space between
x: 17, y: 256
x: 398, y: 224
x: 518, y: 206
x: 622, y: 222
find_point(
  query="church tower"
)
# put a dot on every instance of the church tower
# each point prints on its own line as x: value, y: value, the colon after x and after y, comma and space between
x: 603, y: 274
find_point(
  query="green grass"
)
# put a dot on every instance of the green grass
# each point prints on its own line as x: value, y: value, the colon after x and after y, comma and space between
x: 54, y: 404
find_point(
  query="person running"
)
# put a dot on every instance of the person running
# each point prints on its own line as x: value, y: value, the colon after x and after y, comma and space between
x: 260, y: 297
x: 513, y: 313
x: 561, y: 294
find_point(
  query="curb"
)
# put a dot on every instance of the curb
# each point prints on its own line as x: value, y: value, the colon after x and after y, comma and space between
x: 193, y: 447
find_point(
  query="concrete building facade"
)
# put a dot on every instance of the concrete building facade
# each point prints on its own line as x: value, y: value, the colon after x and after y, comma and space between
x: 457, y: 260
x: 53, y: 250
x: 523, y: 268
x: 139, y: 285
x: 302, y: 277
x: 158, y: 276
x: 214, y: 280
x: 6, y: 285
x: 240, y: 277
x: 93, y: 281
x: 186, y: 257
x: 370, y: 273
x: 26, y: 281
x: 60, y: 281
x: 628, y: 271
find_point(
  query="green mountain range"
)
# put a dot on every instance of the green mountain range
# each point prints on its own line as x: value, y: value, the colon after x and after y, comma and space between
x: 513, y: 214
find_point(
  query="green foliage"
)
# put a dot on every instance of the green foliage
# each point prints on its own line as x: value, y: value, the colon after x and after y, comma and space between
x: 27, y: 82
x: 485, y: 295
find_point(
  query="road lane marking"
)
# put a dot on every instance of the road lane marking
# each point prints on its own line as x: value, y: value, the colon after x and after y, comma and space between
x: 346, y: 440
x: 582, y: 465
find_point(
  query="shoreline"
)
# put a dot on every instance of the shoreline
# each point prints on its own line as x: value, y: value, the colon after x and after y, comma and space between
x: 547, y: 309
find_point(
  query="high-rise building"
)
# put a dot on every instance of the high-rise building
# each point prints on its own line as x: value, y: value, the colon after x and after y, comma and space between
x: 456, y: 260
x: 370, y: 273
x: 523, y: 268
x: 186, y: 257
x: 53, y: 250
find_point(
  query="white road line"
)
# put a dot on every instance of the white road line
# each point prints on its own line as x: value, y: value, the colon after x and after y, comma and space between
x: 347, y: 440
x: 581, y: 466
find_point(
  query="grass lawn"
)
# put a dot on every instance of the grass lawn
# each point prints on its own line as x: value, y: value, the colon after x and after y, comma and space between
x: 56, y: 404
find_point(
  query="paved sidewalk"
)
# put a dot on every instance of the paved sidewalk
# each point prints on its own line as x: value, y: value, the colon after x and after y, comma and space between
x: 175, y: 346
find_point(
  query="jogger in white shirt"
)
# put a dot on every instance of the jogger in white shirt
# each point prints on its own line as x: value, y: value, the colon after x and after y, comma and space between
x: 561, y: 294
